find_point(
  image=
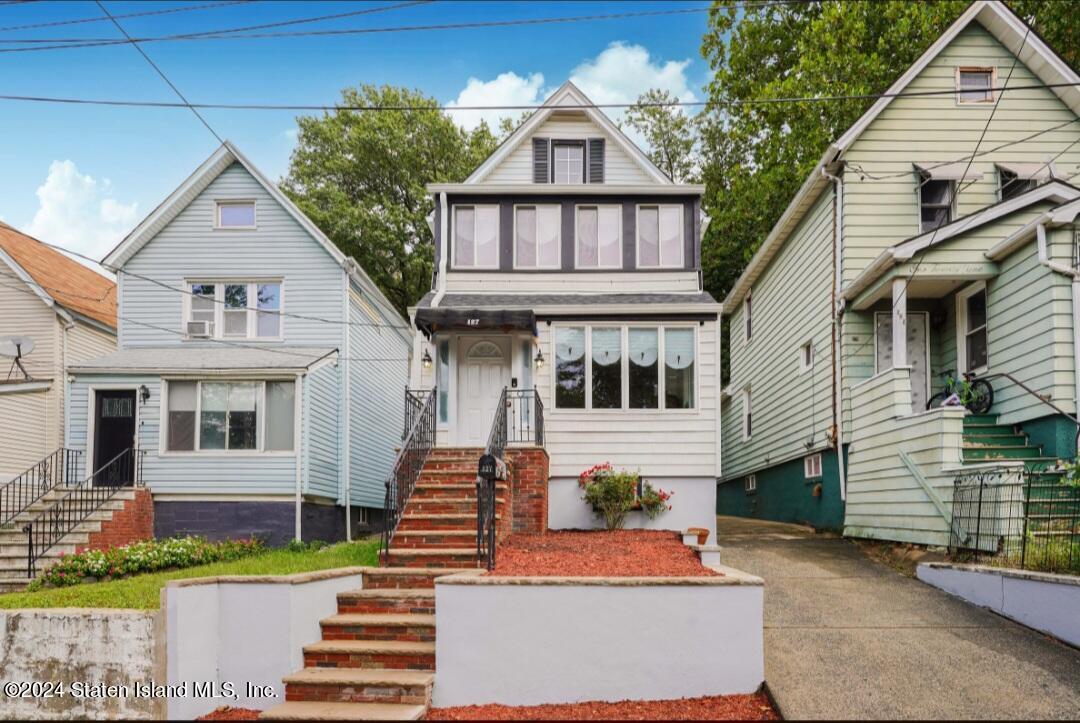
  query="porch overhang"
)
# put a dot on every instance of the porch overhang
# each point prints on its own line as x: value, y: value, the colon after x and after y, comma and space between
x: 928, y: 280
x: 430, y: 321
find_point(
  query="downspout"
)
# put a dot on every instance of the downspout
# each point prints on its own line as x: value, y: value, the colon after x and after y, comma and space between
x: 298, y: 437
x: 1074, y: 275
x: 444, y: 248
x: 837, y: 310
x: 346, y: 372
x: 63, y: 370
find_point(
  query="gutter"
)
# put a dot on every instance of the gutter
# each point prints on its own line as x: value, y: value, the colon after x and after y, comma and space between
x: 1074, y: 275
x: 440, y: 292
x: 837, y: 310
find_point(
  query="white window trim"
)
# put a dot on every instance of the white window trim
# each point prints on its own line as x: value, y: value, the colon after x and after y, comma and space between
x: 750, y: 484
x: 887, y: 315
x: 953, y: 193
x: 808, y: 466
x: 961, y: 328
x: 558, y: 241
x: 748, y: 319
x: 577, y: 236
x: 992, y: 70
x: 453, y: 237
x: 803, y: 365
x: 260, y: 421
x: 219, y: 307
x: 625, y: 369
x: 218, y: 203
x: 660, y: 248
x: 570, y: 142
x: 1016, y: 179
x: 746, y: 412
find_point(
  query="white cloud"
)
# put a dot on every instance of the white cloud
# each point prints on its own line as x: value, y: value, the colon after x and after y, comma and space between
x: 507, y: 89
x: 79, y: 212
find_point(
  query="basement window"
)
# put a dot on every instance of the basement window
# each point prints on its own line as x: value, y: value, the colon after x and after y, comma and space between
x: 812, y: 466
x: 750, y: 485
x: 806, y: 357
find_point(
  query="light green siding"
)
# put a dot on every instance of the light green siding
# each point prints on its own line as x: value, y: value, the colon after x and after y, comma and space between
x: 790, y: 307
x: 881, y: 213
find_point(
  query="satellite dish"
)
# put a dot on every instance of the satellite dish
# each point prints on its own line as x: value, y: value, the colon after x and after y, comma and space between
x: 16, y: 347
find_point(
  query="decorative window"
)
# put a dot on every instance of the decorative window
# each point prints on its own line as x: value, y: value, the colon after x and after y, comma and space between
x: 812, y: 466
x: 936, y: 203
x: 235, y: 214
x: 570, y: 368
x: 537, y: 236
x: 599, y: 237
x: 643, y: 356
x: 476, y: 237
x: 972, y: 338
x: 750, y: 485
x: 747, y: 416
x: 806, y: 357
x: 569, y: 162
x: 226, y: 416
x: 748, y: 320
x: 442, y: 379
x: 236, y: 309
x: 975, y: 85
x: 606, y: 368
x: 660, y: 236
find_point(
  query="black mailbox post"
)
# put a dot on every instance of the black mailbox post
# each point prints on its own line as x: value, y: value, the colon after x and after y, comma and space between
x: 489, y: 467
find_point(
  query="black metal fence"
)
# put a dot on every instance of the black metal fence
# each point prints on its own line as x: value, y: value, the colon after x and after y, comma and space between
x: 410, y: 461
x: 525, y: 417
x: 58, y: 469
x: 1027, y: 518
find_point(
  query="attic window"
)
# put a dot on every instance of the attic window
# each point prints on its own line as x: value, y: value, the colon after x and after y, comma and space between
x: 569, y: 162
x: 975, y: 85
x: 235, y: 214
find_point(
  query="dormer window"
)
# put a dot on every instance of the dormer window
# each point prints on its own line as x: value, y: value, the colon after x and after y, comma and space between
x: 975, y: 85
x: 569, y: 162
x: 235, y: 214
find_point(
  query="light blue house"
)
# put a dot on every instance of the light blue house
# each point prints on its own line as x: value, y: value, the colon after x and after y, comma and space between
x: 259, y: 370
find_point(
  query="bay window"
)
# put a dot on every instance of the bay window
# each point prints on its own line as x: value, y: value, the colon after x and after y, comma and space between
x: 536, y: 236
x: 236, y: 309
x: 659, y: 237
x: 230, y: 416
x: 476, y: 237
x: 599, y: 237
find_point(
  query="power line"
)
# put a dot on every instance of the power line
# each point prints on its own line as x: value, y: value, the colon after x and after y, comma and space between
x: 145, y: 13
x: 159, y: 71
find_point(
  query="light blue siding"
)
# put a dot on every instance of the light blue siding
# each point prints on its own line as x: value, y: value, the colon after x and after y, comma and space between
x: 322, y: 440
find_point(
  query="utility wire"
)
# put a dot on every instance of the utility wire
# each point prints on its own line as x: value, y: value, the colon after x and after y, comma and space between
x: 159, y: 71
x: 145, y: 13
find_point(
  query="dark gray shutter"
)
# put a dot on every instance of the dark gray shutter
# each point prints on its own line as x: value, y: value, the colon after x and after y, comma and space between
x: 596, y: 160
x: 541, y: 160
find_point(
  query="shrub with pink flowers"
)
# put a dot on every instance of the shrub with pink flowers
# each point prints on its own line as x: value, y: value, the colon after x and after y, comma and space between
x: 613, y: 494
x: 140, y: 557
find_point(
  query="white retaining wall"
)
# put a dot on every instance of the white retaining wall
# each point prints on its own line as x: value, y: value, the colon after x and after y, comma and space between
x: 529, y: 641
x: 1040, y: 600
x: 242, y: 630
x: 693, y: 505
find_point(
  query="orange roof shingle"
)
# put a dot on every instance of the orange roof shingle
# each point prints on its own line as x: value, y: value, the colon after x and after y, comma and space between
x: 72, y: 285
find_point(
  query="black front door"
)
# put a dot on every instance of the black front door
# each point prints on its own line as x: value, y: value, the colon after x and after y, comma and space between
x: 114, y: 432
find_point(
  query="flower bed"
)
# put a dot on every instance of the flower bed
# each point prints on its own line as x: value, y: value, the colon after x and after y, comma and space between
x: 720, y: 707
x: 139, y: 557
x: 613, y: 553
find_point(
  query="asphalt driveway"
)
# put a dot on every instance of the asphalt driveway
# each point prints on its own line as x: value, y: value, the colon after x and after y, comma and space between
x: 849, y: 637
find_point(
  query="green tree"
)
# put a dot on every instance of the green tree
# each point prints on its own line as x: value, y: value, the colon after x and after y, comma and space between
x: 757, y: 155
x: 360, y: 176
x: 670, y: 133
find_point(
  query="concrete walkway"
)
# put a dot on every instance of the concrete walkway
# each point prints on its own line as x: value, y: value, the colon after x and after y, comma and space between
x: 849, y: 637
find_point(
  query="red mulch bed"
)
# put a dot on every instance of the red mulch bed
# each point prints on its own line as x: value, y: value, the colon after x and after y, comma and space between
x: 599, y: 553
x: 720, y: 707
x: 230, y: 713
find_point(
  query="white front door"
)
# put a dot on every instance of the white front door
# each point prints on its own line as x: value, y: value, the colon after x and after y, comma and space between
x: 483, y: 371
x: 918, y: 352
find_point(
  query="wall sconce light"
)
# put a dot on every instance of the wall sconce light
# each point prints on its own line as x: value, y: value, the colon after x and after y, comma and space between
x: 539, y: 361
x: 144, y: 393
x: 427, y: 359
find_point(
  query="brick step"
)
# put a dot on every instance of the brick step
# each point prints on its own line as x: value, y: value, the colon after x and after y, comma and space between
x: 356, y: 685
x: 414, y: 539
x: 455, y: 557
x: 407, y: 602
x: 418, y: 522
x: 370, y: 654
x: 447, y: 506
x: 442, y: 490
x: 355, y: 626
x: 311, y: 710
x: 444, y: 475
x: 401, y: 578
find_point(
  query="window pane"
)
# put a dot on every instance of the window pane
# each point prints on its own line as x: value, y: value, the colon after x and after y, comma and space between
x: 934, y: 217
x: 610, y: 242
x: 235, y: 316
x: 976, y: 310
x: 464, y: 237
x: 181, y: 408
x: 215, y: 403
x: 671, y: 236
x: 976, y: 349
x: 487, y: 236
x: 236, y: 214
x: 525, y: 242
x: 607, y: 368
x: 550, y: 219
x: 588, y: 220
x: 202, y: 302
x: 937, y: 193
x: 644, y: 370
x: 569, y: 164
x: 570, y: 368
x: 269, y: 299
x: 975, y: 86
x: 242, y: 416
x: 649, y: 236
x: 442, y: 381
x: 679, y: 368
x: 280, y: 407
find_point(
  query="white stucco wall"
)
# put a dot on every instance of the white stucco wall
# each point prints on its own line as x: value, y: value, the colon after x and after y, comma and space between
x: 693, y: 505
x: 1039, y: 600
x: 529, y: 641
x: 244, y: 630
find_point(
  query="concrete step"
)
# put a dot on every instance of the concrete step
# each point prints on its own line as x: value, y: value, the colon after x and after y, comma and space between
x: 402, y: 602
x: 450, y: 557
x: 14, y: 584
x: 310, y: 710
x: 989, y: 428
x: 1007, y: 440
x: 987, y: 452
x: 357, y: 626
x: 356, y: 685
x: 401, y: 578
x: 370, y: 654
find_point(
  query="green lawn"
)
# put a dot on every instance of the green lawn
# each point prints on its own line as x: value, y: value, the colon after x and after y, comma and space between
x: 142, y: 592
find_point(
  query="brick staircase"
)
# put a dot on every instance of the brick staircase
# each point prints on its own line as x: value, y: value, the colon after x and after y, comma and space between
x: 376, y: 659
x: 13, y: 544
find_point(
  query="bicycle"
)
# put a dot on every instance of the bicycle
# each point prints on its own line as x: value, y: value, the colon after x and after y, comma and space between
x: 976, y: 395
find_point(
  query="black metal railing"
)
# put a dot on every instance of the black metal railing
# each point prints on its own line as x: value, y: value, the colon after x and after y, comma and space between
x: 415, y: 399
x: 485, y: 487
x: 525, y: 412
x: 58, y: 469
x: 410, y: 460
x: 1043, y: 398
x: 1016, y: 516
x: 77, y: 504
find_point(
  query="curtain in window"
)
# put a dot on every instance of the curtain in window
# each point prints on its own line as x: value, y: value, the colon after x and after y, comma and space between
x: 570, y: 368
x: 525, y: 228
x: 181, y: 406
x: 649, y: 236
x: 464, y: 237
x: 280, y: 422
x: 487, y: 236
x: 607, y: 368
x: 679, y: 368
x: 588, y: 242
x: 644, y: 377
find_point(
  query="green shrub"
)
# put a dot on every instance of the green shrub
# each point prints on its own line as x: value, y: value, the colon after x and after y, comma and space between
x: 654, y: 501
x: 611, y: 494
x: 140, y: 557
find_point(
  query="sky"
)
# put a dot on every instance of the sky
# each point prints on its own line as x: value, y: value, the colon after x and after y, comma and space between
x: 83, y: 176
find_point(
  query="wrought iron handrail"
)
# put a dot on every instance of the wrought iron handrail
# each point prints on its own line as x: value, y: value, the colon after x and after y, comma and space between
x: 1038, y: 396
x: 77, y: 504
x: 410, y: 461
x: 55, y: 470
x: 485, y: 488
x: 525, y: 423
x: 414, y: 406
